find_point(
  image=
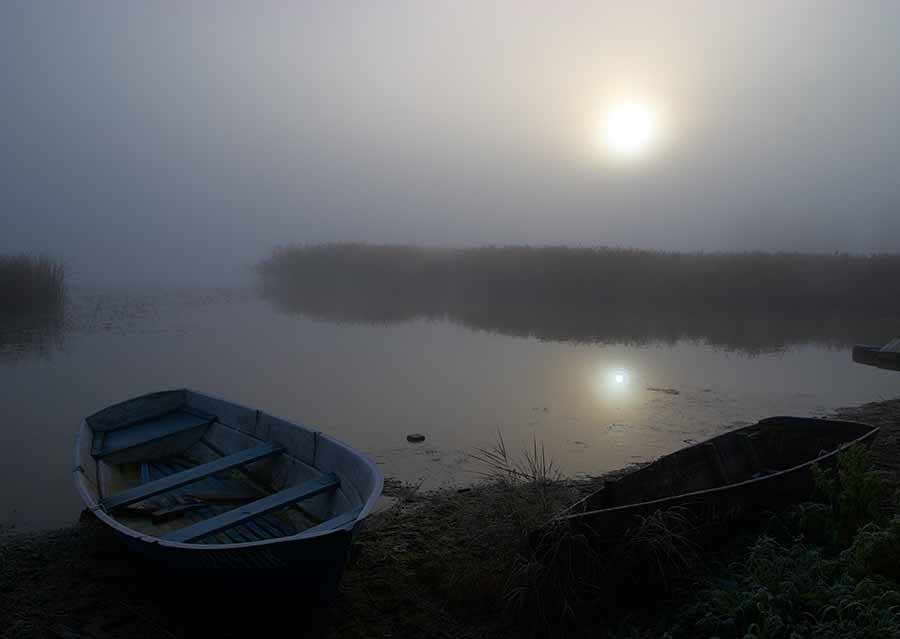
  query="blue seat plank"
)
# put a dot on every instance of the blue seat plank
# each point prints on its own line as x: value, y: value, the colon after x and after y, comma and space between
x: 114, y: 441
x: 265, y: 526
x: 189, y: 476
x: 248, y: 531
x: 215, y: 485
x: 335, y: 522
x: 254, y: 509
x: 172, y: 466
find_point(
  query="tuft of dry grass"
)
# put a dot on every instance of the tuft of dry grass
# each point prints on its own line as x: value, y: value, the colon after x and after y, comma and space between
x: 450, y: 554
x: 660, y: 549
x: 533, y: 467
x: 568, y: 578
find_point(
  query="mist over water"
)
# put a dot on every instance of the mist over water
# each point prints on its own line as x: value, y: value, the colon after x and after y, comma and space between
x: 579, y: 278
x: 145, y: 142
x: 160, y: 152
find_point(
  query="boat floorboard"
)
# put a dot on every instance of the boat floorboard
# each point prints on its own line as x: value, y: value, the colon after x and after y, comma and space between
x: 211, y: 484
x: 285, y: 522
x: 264, y: 528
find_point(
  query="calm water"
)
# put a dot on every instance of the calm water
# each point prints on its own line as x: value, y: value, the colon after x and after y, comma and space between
x: 593, y: 406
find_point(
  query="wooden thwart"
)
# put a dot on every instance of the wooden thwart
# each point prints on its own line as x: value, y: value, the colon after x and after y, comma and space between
x: 114, y: 441
x: 176, y: 480
x: 238, y: 516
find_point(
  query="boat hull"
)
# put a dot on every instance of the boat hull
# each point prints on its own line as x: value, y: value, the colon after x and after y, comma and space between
x: 714, y: 510
x: 878, y: 357
x: 314, y: 567
x: 311, y: 561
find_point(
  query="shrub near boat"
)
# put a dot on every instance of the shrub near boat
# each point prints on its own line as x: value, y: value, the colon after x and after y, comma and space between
x: 215, y: 489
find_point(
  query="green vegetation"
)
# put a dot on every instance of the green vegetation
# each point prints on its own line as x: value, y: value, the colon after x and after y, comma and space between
x: 828, y: 568
x: 458, y: 564
x: 751, y: 301
x: 31, y: 285
x: 461, y: 565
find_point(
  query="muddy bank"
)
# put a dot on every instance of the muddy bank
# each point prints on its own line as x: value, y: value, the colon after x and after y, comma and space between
x: 432, y: 565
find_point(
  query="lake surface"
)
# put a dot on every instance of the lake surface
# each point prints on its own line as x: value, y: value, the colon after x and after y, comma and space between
x: 594, y: 406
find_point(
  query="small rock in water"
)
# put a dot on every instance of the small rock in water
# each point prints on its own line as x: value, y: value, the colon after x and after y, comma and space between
x: 415, y: 438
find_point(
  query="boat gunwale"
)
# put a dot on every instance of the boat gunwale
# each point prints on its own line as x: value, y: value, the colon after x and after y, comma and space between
x: 870, y: 434
x: 94, y: 506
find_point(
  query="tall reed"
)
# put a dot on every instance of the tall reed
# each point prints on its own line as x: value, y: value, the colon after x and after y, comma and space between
x: 454, y: 280
x: 31, y: 285
x: 753, y: 301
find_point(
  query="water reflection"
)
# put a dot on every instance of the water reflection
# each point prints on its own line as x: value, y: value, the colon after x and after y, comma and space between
x: 31, y: 335
x: 765, y: 331
x: 373, y: 385
x: 613, y: 382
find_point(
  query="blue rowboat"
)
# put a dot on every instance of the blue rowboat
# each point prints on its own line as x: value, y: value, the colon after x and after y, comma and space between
x: 207, y: 487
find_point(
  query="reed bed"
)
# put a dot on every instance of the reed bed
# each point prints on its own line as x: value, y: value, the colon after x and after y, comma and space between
x: 31, y: 285
x: 750, y: 301
x: 434, y: 281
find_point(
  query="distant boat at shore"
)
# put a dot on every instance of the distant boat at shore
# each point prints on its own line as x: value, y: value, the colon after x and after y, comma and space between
x: 764, y: 466
x: 887, y: 356
x: 211, y: 488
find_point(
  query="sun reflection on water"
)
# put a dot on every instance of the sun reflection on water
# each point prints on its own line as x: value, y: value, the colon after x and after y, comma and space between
x: 614, y: 382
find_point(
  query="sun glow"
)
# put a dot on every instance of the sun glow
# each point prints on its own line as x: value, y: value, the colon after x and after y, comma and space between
x: 629, y: 129
x: 613, y: 380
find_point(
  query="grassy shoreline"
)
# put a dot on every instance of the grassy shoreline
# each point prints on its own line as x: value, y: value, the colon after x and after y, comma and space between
x: 439, y: 565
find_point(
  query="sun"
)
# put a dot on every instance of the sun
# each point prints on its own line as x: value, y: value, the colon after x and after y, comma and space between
x: 629, y: 129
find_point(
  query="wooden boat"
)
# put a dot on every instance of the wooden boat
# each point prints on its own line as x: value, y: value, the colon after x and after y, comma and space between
x: 208, y: 487
x: 765, y: 466
x: 887, y: 356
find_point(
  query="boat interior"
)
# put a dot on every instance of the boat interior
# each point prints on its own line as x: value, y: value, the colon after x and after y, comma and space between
x: 768, y: 447
x: 183, y: 467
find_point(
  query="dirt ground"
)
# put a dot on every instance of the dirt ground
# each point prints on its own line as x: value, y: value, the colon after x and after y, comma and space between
x: 430, y: 566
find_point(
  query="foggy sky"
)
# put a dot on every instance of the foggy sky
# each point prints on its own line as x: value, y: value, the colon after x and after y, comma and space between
x: 181, y: 141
